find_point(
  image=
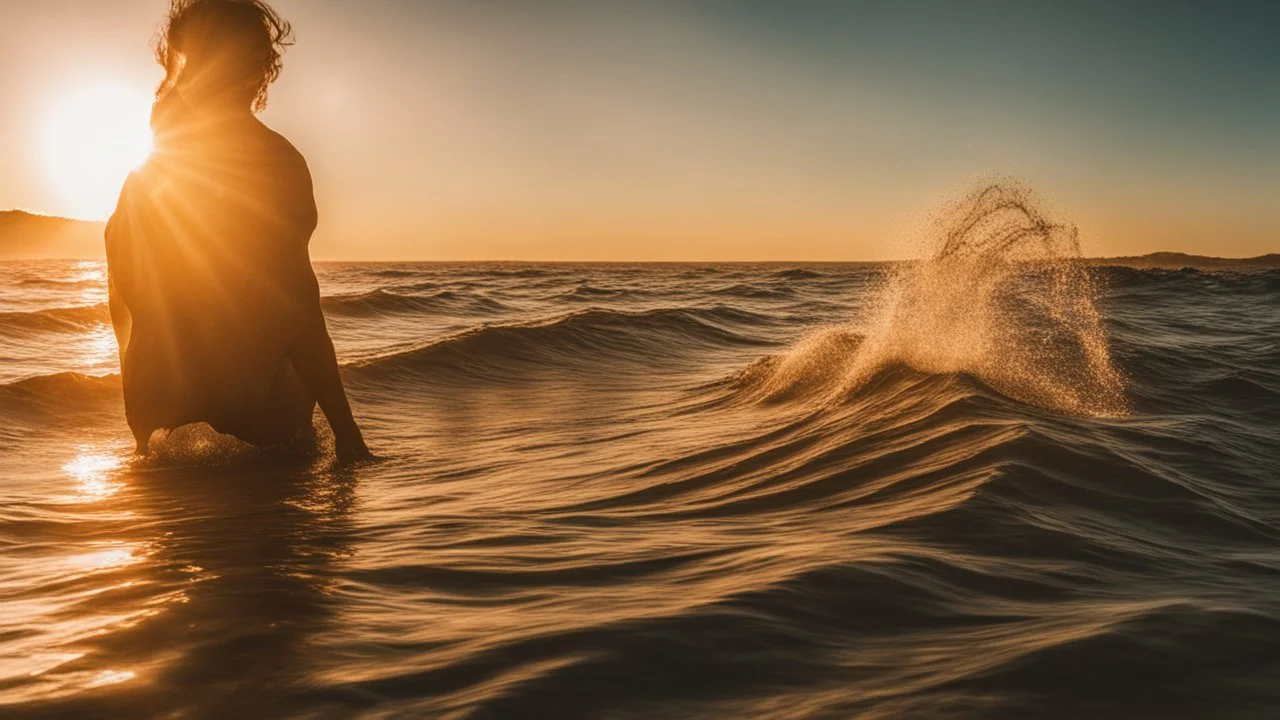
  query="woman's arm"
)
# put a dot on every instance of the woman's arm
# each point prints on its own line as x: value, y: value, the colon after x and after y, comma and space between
x: 316, y: 363
x: 312, y: 353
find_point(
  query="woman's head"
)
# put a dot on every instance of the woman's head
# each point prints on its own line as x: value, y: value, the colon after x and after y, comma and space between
x: 225, y: 51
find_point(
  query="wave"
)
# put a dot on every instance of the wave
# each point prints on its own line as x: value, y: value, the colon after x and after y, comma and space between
x: 798, y: 274
x: 60, y: 392
x: 588, y: 290
x: 569, y: 342
x: 585, y: 292
x: 381, y: 302
x: 492, y: 269
x: 1002, y: 298
x: 61, y: 284
x: 1155, y: 281
x: 396, y: 272
x: 756, y: 292
x: 62, y: 318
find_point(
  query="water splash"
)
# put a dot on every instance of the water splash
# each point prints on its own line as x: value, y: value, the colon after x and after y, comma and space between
x: 1003, y: 297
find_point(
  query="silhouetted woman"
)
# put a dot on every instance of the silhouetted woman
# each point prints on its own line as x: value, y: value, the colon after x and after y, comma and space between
x: 215, y: 305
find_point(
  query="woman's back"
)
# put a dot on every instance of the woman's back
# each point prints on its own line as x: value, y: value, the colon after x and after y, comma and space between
x: 208, y: 251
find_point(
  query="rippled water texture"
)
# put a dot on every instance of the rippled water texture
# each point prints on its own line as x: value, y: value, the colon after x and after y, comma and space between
x: 671, y: 491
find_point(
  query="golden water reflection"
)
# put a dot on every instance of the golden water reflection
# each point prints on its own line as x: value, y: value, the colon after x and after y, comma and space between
x: 142, y: 553
x: 93, y: 471
x: 80, y: 584
x: 111, y: 677
x: 90, y: 271
x: 93, y: 275
x: 117, y: 555
x: 98, y: 352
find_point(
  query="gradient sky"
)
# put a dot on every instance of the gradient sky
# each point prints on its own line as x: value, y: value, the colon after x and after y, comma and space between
x: 734, y: 130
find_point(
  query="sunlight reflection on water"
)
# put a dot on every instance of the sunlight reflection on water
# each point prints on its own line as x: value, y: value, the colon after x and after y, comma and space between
x: 92, y: 274
x: 117, y: 555
x: 90, y: 271
x: 111, y: 677
x: 98, y: 353
x: 92, y: 471
x: 100, y: 569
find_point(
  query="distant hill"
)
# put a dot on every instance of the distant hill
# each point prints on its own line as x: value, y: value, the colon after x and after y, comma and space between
x: 1175, y: 261
x: 27, y: 236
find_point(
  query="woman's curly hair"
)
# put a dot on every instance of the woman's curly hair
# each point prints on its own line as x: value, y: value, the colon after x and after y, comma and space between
x: 250, y: 30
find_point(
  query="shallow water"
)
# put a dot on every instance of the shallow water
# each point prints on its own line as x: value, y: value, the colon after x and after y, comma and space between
x: 639, y: 491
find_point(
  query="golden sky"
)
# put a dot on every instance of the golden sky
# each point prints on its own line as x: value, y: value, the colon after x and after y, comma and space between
x: 697, y: 130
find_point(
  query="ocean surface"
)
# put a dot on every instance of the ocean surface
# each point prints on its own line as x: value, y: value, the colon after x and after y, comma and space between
x: 948, y: 489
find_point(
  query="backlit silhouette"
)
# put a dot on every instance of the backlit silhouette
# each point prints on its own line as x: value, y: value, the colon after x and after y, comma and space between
x: 214, y: 302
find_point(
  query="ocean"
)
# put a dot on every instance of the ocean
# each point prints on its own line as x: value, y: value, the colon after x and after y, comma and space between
x: 982, y: 486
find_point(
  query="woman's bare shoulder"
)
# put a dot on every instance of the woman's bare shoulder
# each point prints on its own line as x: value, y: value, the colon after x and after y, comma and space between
x: 280, y: 152
x: 289, y: 165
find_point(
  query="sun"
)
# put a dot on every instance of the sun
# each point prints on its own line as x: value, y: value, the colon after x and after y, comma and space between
x: 92, y: 138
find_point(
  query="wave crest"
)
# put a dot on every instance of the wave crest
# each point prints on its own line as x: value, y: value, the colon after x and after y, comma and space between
x: 1003, y: 297
x: 588, y: 337
x: 61, y: 318
x: 62, y: 391
x: 380, y: 302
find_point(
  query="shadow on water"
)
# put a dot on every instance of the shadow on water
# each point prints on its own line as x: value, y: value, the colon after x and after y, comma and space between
x: 237, y: 563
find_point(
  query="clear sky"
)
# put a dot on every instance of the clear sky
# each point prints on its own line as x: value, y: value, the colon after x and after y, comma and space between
x: 705, y: 130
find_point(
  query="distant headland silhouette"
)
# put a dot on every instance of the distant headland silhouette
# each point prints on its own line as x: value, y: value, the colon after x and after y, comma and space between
x: 31, y: 236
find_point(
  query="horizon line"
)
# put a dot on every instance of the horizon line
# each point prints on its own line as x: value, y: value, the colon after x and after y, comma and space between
x: 51, y: 216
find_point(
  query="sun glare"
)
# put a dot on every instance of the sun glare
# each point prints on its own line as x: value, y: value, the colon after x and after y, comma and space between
x: 93, y: 136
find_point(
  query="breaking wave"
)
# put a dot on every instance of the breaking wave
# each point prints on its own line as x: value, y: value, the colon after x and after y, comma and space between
x: 1002, y: 296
